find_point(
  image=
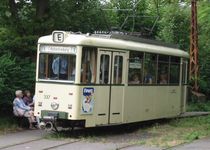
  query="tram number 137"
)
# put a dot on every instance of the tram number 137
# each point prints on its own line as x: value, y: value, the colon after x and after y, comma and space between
x: 46, y: 96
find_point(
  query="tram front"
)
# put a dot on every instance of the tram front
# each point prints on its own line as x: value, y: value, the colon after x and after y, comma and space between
x: 56, y: 93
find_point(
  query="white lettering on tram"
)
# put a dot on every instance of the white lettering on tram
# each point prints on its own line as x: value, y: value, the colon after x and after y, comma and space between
x: 58, y: 49
x: 88, y: 91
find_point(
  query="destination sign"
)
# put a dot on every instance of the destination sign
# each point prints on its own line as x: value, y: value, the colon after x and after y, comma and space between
x: 135, y: 65
x: 57, y: 49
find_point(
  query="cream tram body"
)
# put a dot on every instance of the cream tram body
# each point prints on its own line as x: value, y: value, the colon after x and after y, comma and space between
x: 96, y: 88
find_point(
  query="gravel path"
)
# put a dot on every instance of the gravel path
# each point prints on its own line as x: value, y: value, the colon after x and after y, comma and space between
x: 106, y: 138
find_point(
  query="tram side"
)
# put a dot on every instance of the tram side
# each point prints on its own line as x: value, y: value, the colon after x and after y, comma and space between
x: 159, y: 92
x: 164, y: 96
x: 107, y: 86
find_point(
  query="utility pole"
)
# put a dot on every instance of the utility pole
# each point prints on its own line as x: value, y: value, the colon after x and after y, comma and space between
x: 194, y: 68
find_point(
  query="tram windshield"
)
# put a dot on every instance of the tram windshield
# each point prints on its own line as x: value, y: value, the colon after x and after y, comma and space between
x: 57, y: 67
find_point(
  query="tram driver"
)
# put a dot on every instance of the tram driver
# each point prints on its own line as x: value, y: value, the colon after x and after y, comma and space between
x: 59, y: 67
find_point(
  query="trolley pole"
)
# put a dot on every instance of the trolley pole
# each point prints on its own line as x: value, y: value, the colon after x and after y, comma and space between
x: 194, y: 67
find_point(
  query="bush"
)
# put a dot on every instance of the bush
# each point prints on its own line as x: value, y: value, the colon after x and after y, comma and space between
x: 14, y: 74
x: 198, y: 106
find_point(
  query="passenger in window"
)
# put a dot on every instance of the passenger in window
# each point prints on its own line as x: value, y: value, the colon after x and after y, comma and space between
x: 147, y: 78
x: 135, y: 79
x: 163, y: 78
x: 59, y: 67
x: 86, y: 72
x: 63, y: 68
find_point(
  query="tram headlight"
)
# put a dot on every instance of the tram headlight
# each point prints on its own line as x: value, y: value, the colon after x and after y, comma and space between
x: 54, y: 105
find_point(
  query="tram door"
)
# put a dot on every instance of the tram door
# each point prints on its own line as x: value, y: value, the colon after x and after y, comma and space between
x: 111, y: 73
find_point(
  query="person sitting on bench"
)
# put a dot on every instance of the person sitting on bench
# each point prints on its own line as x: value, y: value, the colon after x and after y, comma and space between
x: 20, y: 109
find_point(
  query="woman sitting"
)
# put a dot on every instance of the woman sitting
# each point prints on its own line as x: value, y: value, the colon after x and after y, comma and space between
x: 28, y: 99
x: 20, y: 109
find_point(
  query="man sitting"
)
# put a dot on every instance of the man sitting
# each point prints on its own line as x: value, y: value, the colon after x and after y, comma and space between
x: 20, y: 109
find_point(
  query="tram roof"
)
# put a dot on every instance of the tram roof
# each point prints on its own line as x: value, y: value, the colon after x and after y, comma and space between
x: 122, y: 42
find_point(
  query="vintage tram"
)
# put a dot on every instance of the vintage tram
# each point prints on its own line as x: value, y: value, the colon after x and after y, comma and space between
x: 90, y: 80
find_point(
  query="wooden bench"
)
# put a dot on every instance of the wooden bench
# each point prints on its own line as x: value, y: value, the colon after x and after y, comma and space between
x: 22, y: 122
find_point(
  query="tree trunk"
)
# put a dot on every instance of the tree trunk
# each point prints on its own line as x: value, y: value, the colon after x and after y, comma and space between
x: 13, y: 8
x: 42, y: 7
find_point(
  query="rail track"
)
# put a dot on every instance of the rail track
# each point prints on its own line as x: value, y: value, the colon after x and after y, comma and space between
x: 35, y: 142
x: 21, y: 143
x: 39, y: 142
x: 25, y: 145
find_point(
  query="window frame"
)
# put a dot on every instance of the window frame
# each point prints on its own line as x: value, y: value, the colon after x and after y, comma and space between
x: 47, y: 70
x: 109, y: 69
x: 118, y: 76
x: 179, y: 65
x: 168, y: 70
x: 156, y: 63
x: 156, y: 66
x: 94, y: 65
x: 142, y: 68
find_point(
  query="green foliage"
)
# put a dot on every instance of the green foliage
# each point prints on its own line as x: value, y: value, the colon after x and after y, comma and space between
x: 6, y: 64
x: 14, y: 74
x: 192, y: 136
x: 198, y: 106
x: 165, y: 134
x: 22, y: 23
x: 204, y: 46
x: 174, y: 25
x: 8, y: 125
x: 17, y: 71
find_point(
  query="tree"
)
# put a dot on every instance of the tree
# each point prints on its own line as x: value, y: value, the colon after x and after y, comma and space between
x: 174, y: 25
x: 204, y: 46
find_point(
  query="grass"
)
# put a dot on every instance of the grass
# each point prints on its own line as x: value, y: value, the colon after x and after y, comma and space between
x: 159, y: 133
x: 7, y: 125
x: 162, y: 133
x: 198, y: 106
x: 178, y: 131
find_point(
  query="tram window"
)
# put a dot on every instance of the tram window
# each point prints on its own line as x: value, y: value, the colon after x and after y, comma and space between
x: 57, y: 67
x: 184, y: 72
x: 88, y: 67
x: 43, y: 73
x: 163, y: 69
x: 104, y: 69
x: 135, y: 67
x: 118, y: 68
x: 174, y: 70
x: 150, y: 68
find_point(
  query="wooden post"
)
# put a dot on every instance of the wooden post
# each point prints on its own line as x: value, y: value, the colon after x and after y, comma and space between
x: 194, y: 68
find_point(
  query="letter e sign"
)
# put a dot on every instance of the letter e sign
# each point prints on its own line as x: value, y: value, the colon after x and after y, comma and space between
x: 58, y: 37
